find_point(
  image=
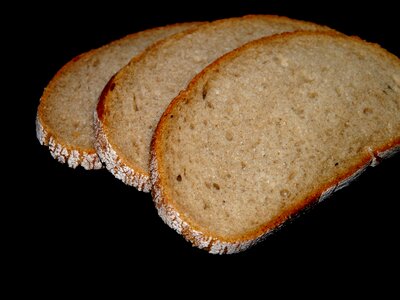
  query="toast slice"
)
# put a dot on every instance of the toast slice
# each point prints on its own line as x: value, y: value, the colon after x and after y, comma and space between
x: 134, y: 100
x: 270, y: 129
x: 65, y: 114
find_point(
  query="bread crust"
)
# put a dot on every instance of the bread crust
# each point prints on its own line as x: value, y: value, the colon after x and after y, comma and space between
x: 213, y: 243
x: 61, y: 151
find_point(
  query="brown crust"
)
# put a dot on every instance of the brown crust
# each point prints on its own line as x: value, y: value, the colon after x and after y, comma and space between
x: 102, y: 99
x: 209, y: 241
x: 59, y: 149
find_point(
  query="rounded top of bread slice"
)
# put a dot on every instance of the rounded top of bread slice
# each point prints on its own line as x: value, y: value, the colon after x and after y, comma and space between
x: 65, y: 112
x: 265, y: 130
x: 136, y: 97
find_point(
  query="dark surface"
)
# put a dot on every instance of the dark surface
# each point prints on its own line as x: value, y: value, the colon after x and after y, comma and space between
x: 87, y: 219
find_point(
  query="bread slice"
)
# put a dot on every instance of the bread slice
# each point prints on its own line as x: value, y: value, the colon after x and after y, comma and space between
x: 136, y: 97
x: 65, y: 114
x: 268, y: 130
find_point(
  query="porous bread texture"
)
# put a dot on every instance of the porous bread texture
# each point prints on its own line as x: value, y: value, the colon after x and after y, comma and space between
x: 139, y: 93
x: 65, y: 114
x: 270, y: 129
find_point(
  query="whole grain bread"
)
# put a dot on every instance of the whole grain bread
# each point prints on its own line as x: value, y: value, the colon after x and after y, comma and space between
x: 65, y: 113
x: 134, y: 100
x: 270, y: 129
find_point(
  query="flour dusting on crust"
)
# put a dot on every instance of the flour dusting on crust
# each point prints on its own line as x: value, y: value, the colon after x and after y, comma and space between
x: 73, y: 157
x: 114, y: 163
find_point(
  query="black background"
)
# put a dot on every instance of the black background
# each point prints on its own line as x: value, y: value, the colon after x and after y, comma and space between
x: 87, y: 222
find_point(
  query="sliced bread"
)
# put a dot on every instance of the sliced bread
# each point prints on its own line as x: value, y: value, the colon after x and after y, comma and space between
x: 268, y: 130
x: 134, y: 100
x: 65, y: 113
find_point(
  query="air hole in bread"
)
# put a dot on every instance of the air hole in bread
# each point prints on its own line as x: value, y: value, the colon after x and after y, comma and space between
x: 367, y: 111
x: 298, y: 111
x: 205, y: 91
x: 135, y: 106
x: 285, y: 193
x: 229, y: 136
x: 179, y: 178
x: 95, y: 62
x: 313, y: 95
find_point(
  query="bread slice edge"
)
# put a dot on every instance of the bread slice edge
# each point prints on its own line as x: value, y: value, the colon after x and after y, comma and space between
x: 109, y: 154
x: 129, y: 175
x: 63, y: 153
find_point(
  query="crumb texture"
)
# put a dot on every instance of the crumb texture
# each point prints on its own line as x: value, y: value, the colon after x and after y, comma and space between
x: 145, y: 87
x: 271, y: 125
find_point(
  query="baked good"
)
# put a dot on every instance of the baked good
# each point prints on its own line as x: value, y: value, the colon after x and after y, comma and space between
x: 133, y: 101
x: 65, y: 113
x: 270, y: 129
